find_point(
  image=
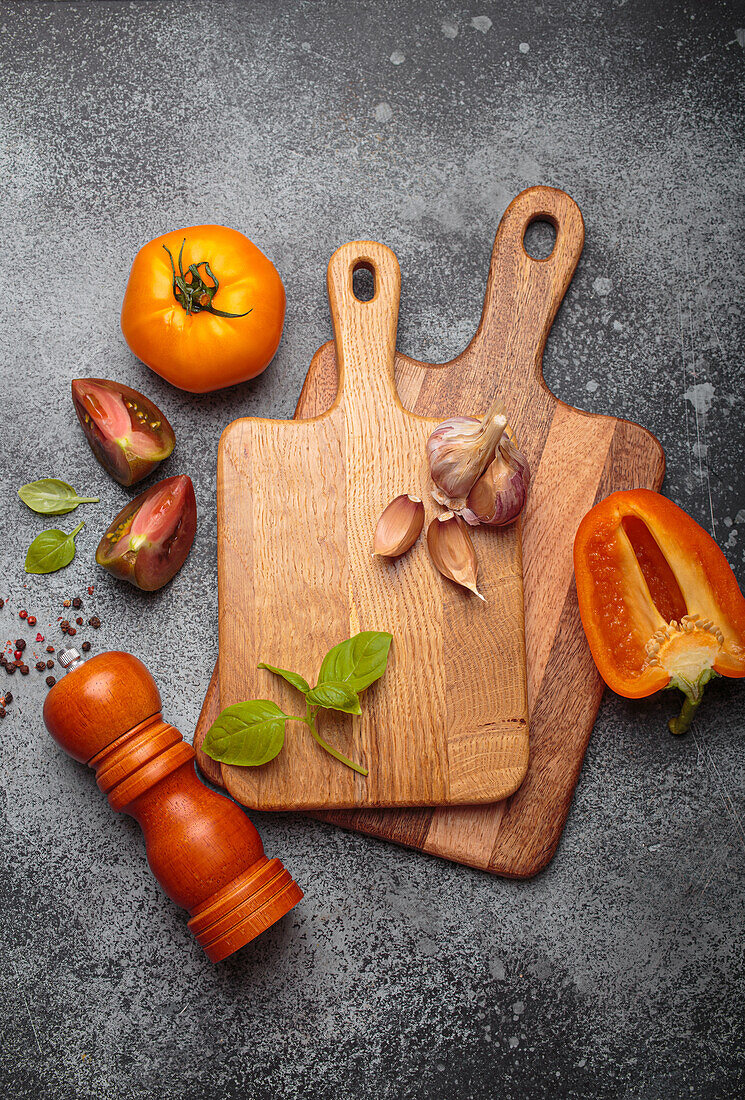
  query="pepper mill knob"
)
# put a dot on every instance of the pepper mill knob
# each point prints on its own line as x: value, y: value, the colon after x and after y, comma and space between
x: 201, y: 847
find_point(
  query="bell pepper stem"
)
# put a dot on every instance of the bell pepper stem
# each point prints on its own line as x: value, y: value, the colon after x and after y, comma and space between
x: 682, y: 723
x: 694, y: 693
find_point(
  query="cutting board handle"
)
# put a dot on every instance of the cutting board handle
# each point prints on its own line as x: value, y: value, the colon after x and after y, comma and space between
x: 365, y: 332
x: 523, y: 294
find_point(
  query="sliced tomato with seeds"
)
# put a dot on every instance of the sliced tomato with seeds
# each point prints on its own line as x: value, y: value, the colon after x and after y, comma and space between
x: 150, y: 539
x: 128, y: 433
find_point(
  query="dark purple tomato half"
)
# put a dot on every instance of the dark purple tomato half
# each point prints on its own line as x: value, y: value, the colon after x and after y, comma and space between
x: 128, y: 434
x: 149, y: 540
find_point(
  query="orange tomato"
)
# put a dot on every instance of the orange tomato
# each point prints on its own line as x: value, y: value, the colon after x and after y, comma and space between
x: 204, y: 308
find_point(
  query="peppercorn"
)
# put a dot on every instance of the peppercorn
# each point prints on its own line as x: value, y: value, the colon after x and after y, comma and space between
x: 71, y: 631
x: 66, y: 603
x: 77, y: 602
x: 79, y: 620
x: 8, y: 699
x: 64, y: 625
x: 23, y: 614
x: 95, y: 622
x: 23, y: 670
x: 17, y: 654
x: 10, y: 669
x: 2, y: 603
x: 50, y: 664
x: 2, y: 712
x: 20, y: 643
x: 32, y: 620
x: 40, y: 666
x: 50, y: 649
x: 51, y: 681
x: 85, y: 646
x: 90, y: 589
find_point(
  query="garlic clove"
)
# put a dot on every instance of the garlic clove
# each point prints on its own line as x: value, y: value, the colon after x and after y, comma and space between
x: 498, y: 497
x: 452, y: 551
x: 459, y: 451
x: 399, y: 526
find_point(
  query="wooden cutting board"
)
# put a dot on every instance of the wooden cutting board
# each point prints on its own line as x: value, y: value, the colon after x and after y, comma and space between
x: 298, y: 504
x: 577, y: 459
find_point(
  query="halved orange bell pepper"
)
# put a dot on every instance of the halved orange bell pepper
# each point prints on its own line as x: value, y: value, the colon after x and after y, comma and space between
x: 659, y: 603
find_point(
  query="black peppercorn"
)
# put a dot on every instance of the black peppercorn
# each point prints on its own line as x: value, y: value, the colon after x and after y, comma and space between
x: 85, y: 646
x: 51, y: 681
x: 8, y: 699
x: 95, y: 622
x: 50, y: 649
x: 20, y: 643
x: 23, y: 670
x: 77, y: 602
x: 79, y: 620
x: 40, y: 666
x: 50, y: 664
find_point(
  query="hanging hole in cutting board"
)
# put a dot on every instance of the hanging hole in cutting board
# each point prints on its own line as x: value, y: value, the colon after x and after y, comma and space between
x: 539, y: 238
x: 363, y: 281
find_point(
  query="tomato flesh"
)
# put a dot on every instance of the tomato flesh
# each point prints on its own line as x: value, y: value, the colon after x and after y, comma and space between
x: 127, y: 432
x: 150, y: 539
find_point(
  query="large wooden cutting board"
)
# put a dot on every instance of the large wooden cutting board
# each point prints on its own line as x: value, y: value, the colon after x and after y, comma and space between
x: 298, y: 502
x: 577, y: 459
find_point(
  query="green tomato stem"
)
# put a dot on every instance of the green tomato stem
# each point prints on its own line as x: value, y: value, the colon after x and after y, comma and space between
x: 198, y: 294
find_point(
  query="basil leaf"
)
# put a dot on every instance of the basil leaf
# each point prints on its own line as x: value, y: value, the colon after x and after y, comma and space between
x: 291, y: 677
x: 358, y: 662
x: 335, y: 696
x: 246, y: 733
x: 51, y: 550
x: 52, y: 497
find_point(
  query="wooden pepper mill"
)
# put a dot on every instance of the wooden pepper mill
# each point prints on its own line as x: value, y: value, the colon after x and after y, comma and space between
x: 203, y: 850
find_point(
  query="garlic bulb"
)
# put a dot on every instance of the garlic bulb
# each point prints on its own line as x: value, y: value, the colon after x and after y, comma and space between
x: 399, y: 526
x: 452, y: 551
x: 459, y: 451
x: 498, y: 497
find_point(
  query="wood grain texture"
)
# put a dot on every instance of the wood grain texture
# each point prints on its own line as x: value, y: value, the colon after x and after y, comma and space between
x: 518, y: 836
x: 201, y: 847
x: 298, y: 504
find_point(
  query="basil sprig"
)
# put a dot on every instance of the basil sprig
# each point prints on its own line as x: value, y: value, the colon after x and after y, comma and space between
x: 51, y: 550
x: 252, y: 733
x: 52, y: 497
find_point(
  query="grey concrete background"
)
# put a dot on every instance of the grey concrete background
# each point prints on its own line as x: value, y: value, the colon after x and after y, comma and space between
x: 618, y: 972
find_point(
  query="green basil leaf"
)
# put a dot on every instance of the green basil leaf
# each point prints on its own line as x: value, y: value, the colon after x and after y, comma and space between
x: 358, y: 662
x: 52, y: 497
x: 335, y: 696
x: 291, y: 677
x: 248, y: 734
x: 51, y: 550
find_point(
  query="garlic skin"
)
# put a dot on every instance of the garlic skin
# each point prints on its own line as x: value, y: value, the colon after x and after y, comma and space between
x: 452, y: 551
x: 498, y: 497
x: 459, y: 451
x: 399, y: 526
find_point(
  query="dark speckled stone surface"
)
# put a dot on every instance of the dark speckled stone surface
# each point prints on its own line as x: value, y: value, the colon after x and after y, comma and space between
x: 618, y: 972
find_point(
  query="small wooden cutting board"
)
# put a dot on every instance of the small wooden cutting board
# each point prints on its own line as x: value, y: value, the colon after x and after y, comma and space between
x: 298, y: 504
x: 518, y: 836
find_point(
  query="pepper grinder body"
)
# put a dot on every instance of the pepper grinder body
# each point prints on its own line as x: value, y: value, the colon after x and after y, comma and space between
x: 201, y: 847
